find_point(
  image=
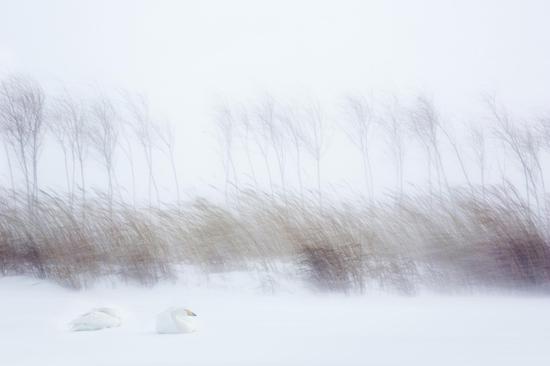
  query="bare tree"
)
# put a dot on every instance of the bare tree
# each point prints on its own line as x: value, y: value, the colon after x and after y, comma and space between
x: 7, y: 152
x: 315, y: 140
x: 295, y: 131
x: 479, y: 148
x: 145, y: 131
x: 393, y: 123
x: 104, y: 135
x: 128, y: 152
x: 360, y: 120
x: 425, y: 124
x: 59, y: 124
x: 77, y: 122
x: 263, y: 142
x: 246, y: 125
x: 22, y: 115
x: 455, y: 146
x: 167, y: 138
x: 544, y: 132
x: 273, y: 129
x: 520, y: 142
x: 226, y: 131
x: 533, y: 144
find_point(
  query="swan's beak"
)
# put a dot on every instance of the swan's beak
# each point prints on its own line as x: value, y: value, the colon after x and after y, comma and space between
x: 190, y: 313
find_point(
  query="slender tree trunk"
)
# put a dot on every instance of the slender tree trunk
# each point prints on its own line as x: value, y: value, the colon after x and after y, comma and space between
x: 26, y: 174
x: 280, y: 162
x: 133, y: 173
x: 110, y: 188
x: 10, y: 167
x: 82, y: 180
x: 299, y: 172
x: 367, y: 171
x: 319, y: 192
x: 67, y: 175
x: 249, y: 158
x: 175, y: 174
x: 399, y: 175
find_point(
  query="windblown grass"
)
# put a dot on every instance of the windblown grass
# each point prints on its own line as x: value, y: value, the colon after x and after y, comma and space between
x: 463, y: 240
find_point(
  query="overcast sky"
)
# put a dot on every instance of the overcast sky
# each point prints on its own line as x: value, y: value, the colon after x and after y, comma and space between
x: 188, y: 54
x: 217, y: 46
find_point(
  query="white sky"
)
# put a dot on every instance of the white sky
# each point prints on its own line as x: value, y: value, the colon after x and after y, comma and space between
x: 222, y: 46
x: 187, y: 54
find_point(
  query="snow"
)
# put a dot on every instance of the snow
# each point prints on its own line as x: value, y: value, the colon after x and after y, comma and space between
x: 241, y: 325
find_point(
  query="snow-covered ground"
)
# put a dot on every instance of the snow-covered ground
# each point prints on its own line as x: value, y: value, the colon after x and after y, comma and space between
x: 240, y: 325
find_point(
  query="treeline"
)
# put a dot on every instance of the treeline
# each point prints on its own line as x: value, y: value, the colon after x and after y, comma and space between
x: 294, y: 138
x: 104, y: 128
x: 269, y: 145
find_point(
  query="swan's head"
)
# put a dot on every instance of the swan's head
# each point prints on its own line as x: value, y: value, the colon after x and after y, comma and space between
x: 189, y: 312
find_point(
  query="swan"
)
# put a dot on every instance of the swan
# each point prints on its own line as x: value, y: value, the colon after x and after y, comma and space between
x: 96, y: 319
x: 176, y: 320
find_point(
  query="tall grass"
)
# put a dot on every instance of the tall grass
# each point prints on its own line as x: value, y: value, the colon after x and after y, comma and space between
x: 460, y: 241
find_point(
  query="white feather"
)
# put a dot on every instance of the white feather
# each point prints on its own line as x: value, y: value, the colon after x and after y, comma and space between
x: 96, y: 319
x: 176, y: 320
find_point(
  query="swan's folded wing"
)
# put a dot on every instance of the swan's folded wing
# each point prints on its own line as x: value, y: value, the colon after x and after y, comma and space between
x: 94, y: 320
x: 166, y: 323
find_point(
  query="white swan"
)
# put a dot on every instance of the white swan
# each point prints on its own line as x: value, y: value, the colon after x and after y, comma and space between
x: 176, y: 320
x: 96, y: 319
